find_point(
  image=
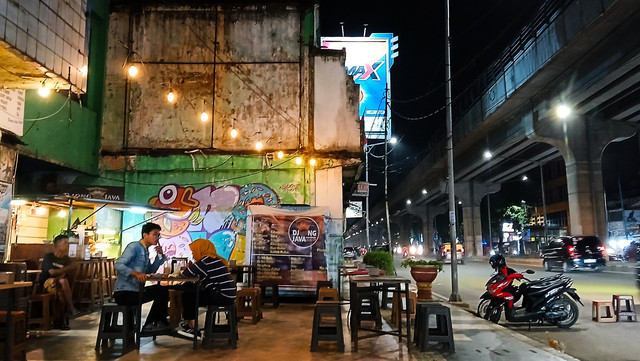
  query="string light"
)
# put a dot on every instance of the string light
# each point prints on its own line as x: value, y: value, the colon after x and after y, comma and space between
x: 133, y: 71
x: 204, y: 117
x: 171, y: 97
x: 44, y: 91
x: 280, y: 154
x: 298, y: 160
x: 259, y: 145
x: 312, y: 162
x: 234, y: 133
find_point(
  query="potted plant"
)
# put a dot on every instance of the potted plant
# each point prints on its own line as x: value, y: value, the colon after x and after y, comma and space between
x: 423, y: 272
x: 380, y: 259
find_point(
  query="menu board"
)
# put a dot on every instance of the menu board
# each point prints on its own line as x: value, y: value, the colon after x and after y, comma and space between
x: 289, y: 249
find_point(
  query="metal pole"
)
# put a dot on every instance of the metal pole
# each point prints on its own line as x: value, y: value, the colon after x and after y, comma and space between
x: 455, y: 297
x: 489, y: 216
x: 366, y: 177
x: 544, y: 203
x: 386, y: 192
x: 624, y: 220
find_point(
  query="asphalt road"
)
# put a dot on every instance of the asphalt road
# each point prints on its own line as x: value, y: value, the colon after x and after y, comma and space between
x: 587, y: 339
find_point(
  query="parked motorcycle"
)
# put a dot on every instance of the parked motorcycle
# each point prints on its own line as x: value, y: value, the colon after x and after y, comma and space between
x: 549, y: 299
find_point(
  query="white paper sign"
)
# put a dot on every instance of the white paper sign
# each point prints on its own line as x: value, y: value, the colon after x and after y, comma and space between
x: 12, y: 110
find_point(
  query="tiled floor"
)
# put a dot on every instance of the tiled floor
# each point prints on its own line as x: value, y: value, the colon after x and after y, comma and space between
x: 283, y: 334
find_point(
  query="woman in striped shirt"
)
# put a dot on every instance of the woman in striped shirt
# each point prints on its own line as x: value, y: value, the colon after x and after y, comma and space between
x: 218, y: 288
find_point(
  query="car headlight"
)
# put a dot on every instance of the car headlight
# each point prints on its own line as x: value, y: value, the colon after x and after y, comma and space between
x: 412, y: 249
x: 420, y: 250
x: 398, y: 250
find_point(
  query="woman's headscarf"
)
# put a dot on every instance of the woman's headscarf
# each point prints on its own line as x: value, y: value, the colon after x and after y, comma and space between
x: 203, y: 247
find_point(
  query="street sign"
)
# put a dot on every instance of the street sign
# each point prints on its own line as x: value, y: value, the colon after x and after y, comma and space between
x: 362, y: 190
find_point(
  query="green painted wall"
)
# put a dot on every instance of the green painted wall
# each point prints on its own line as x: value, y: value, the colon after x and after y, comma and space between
x: 60, y: 131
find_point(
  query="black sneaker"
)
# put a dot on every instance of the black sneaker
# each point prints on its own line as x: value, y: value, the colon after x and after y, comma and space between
x: 155, y: 327
x: 187, y: 331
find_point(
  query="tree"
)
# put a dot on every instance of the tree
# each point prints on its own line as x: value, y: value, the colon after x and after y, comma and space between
x: 518, y: 216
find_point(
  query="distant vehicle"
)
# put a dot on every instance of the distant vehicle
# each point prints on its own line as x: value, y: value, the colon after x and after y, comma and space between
x: 573, y: 253
x: 411, y: 250
x: 349, y: 252
x: 444, y: 253
x: 382, y: 247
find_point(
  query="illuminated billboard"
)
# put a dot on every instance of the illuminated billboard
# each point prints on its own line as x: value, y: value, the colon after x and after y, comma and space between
x: 369, y: 61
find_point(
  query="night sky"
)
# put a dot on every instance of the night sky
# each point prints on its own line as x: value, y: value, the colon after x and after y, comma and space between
x: 480, y: 30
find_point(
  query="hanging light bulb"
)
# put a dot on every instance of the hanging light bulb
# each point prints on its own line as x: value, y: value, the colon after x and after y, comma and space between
x: 234, y: 133
x: 171, y: 97
x: 133, y: 71
x: 259, y: 145
x: 298, y: 160
x: 204, y: 117
x: 280, y: 154
x: 312, y: 162
x: 44, y: 91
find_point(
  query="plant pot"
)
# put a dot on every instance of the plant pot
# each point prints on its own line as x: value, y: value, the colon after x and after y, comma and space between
x: 424, y: 276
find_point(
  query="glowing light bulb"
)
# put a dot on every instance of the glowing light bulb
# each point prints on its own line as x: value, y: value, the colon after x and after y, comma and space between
x: 41, y: 211
x: 62, y: 213
x: 234, y: 133
x: 133, y: 71
x: 171, y: 97
x: 44, y: 91
x: 312, y: 162
x: 259, y: 145
x: 280, y: 154
x: 298, y: 160
x: 84, y: 70
x: 204, y: 116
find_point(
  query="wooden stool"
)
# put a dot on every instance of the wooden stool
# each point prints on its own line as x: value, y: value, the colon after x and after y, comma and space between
x: 17, y: 332
x: 397, y: 307
x: 322, y: 284
x: 86, y: 288
x: 109, y: 329
x: 328, y: 294
x: 602, y: 311
x: 228, y: 331
x: 629, y: 311
x: 248, y: 304
x: 175, y: 307
x: 44, y: 300
x: 274, y: 299
x: 443, y: 333
x: 327, y: 332
x: 369, y: 308
x: 388, y: 287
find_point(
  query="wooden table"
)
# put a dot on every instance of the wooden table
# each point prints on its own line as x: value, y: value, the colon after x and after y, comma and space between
x: 170, y: 279
x: 10, y: 289
x: 377, y: 283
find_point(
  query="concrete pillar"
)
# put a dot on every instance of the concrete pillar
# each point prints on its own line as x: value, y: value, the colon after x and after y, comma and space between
x: 471, y: 193
x: 581, y: 141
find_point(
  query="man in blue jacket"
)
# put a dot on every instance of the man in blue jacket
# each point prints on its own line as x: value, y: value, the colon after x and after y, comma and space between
x: 133, y: 267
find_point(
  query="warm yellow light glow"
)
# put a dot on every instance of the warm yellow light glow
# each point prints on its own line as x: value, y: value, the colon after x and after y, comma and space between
x: 259, y: 145
x: 234, y: 133
x: 298, y: 160
x: 133, y: 71
x: 280, y: 154
x: 18, y: 202
x: 204, y: 116
x: 62, y: 213
x: 171, y: 97
x: 84, y: 70
x: 44, y: 91
x: 312, y: 162
x: 41, y: 211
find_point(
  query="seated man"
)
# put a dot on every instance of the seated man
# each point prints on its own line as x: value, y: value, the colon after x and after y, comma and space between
x: 133, y: 266
x: 218, y: 286
x: 53, y: 279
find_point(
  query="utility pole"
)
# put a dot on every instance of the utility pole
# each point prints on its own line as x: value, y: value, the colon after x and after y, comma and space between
x: 386, y: 187
x: 366, y: 178
x: 455, y: 296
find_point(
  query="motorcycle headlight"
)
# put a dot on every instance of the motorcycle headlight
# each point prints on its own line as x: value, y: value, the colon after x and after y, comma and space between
x: 420, y: 250
x: 412, y: 249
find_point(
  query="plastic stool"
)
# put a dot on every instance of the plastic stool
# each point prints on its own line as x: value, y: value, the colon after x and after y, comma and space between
x: 109, y: 329
x: 328, y: 294
x: 369, y: 307
x: 275, y: 293
x: 248, y: 304
x: 629, y: 310
x: 323, y: 331
x: 443, y: 333
x: 602, y: 311
x: 228, y: 331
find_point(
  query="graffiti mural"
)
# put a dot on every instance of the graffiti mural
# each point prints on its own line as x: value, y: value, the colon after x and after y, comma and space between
x: 216, y: 214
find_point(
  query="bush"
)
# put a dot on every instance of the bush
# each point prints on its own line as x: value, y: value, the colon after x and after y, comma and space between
x: 412, y: 262
x: 380, y: 259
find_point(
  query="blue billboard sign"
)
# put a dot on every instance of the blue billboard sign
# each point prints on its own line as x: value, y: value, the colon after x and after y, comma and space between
x: 368, y: 61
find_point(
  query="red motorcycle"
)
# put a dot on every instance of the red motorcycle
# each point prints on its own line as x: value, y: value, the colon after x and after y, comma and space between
x: 547, y: 299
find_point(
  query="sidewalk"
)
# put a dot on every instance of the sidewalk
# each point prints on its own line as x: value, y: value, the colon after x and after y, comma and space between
x: 285, y: 334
